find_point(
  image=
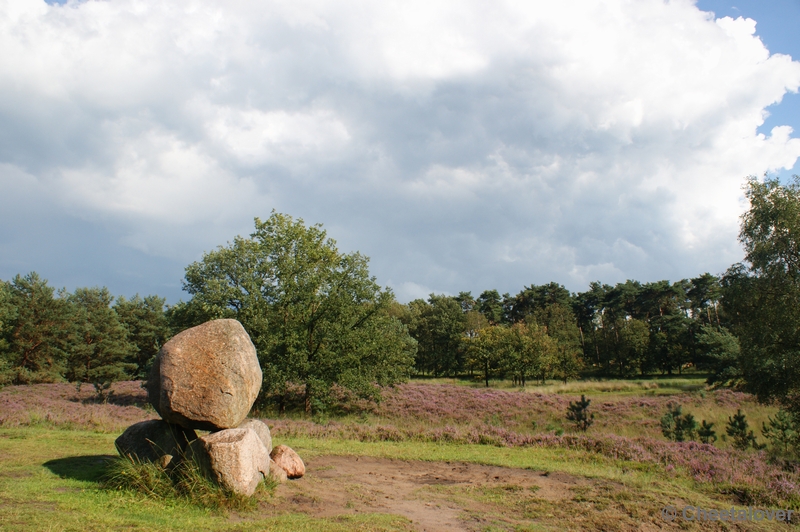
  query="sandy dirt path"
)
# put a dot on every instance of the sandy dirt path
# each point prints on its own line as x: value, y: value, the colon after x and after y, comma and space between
x: 337, y: 485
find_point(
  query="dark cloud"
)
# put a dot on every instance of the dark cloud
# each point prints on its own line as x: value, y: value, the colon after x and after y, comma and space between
x: 460, y: 148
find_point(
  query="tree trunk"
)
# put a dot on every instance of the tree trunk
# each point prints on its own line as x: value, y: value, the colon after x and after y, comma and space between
x: 308, y: 399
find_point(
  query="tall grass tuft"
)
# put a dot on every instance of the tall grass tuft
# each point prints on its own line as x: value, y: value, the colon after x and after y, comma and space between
x: 183, y: 482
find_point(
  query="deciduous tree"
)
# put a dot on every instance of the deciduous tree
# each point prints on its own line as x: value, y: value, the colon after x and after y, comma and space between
x: 761, y: 298
x: 316, y: 316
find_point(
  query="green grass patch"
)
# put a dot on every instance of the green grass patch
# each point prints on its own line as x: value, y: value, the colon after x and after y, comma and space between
x: 574, y: 462
x: 54, y: 480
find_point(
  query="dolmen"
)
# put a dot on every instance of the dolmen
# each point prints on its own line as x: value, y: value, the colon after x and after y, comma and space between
x: 207, y: 378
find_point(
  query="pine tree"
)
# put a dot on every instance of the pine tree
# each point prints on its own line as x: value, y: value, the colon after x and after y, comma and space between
x: 38, y: 327
x: 706, y: 433
x: 781, y: 431
x: 738, y: 429
x: 147, y: 326
x: 578, y: 413
x: 677, y: 426
x: 99, y: 352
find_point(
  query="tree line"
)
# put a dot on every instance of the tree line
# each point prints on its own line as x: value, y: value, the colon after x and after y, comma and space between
x: 321, y: 322
x: 543, y: 332
x: 546, y: 332
x: 86, y: 336
x: 318, y: 320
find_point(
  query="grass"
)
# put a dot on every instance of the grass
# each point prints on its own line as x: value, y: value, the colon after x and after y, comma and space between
x: 650, y: 385
x: 433, y: 410
x: 184, y: 481
x: 51, y: 479
x: 59, y: 469
x: 625, y: 388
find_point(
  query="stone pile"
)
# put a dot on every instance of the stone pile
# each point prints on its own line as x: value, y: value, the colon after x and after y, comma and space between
x: 207, y: 378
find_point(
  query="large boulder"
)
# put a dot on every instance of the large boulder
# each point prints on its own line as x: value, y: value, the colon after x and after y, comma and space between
x: 235, y: 459
x: 288, y: 460
x: 154, y: 441
x: 206, y: 377
x: 261, y: 429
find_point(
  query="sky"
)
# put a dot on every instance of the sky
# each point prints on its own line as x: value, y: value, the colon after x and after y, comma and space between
x: 461, y: 145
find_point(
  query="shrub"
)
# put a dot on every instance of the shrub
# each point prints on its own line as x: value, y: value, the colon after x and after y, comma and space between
x: 578, y: 413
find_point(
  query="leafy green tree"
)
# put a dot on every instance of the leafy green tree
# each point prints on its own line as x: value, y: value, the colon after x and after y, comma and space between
x: 761, y: 298
x: 315, y: 315
x: 782, y: 432
x: 578, y: 413
x: 634, y: 343
x: 534, y: 298
x: 720, y: 353
x: 530, y: 352
x: 466, y: 301
x: 7, y: 315
x: 561, y: 326
x: 705, y: 294
x: 99, y: 350
x: 587, y: 307
x: 670, y: 341
x: 474, y: 322
x: 739, y: 430
x: 706, y: 433
x: 660, y: 299
x: 37, y: 332
x: 490, y: 304
x: 626, y: 300
x: 438, y: 325
x: 187, y: 314
x: 147, y: 326
x: 486, y: 351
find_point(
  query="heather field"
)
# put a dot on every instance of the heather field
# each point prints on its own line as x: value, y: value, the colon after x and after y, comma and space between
x: 432, y: 455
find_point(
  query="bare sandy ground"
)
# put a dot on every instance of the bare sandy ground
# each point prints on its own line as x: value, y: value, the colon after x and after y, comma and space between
x: 337, y: 485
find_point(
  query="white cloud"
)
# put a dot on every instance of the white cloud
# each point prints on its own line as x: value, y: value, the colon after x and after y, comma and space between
x: 462, y: 145
x: 155, y: 177
x: 255, y: 137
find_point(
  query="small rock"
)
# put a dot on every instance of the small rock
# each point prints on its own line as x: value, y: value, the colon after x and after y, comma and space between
x: 234, y: 458
x: 206, y: 377
x: 277, y: 472
x: 288, y: 460
x: 261, y: 429
x: 154, y: 441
